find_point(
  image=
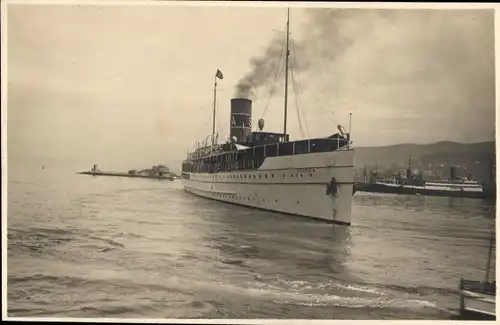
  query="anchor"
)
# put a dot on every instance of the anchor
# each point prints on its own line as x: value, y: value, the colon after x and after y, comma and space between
x: 332, y: 187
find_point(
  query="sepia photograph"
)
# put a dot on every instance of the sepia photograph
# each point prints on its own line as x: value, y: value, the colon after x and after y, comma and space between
x: 244, y: 160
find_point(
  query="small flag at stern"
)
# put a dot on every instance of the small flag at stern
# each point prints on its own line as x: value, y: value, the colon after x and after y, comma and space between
x: 219, y: 74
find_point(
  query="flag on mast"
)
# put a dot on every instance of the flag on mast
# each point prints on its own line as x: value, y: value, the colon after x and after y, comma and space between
x: 219, y: 74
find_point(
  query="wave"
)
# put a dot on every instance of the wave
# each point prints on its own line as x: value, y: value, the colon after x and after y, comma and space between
x: 89, y: 283
x: 342, y: 295
x: 358, y: 303
x: 107, y: 241
x: 418, y: 290
x: 385, y: 288
x: 39, y: 278
x: 52, y: 241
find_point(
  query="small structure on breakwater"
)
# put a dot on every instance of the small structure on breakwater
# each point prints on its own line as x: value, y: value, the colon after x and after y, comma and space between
x: 155, y: 172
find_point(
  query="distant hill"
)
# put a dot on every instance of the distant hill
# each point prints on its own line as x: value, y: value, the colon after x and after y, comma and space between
x: 475, y: 159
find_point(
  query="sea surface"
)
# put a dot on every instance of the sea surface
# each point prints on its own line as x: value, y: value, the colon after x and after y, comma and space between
x: 84, y: 246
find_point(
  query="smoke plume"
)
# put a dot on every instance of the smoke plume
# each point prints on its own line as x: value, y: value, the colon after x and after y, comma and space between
x: 323, y: 38
x: 265, y: 67
x: 399, y: 68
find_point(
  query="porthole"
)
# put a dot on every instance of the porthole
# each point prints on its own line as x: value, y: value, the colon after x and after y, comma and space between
x: 291, y: 175
x: 272, y: 175
x: 301, y: 175
x: 276, y: 201
x: 266, y: 175
x: 297, y: 202
x: 254, y: 176
x: 260, y: 176
x: 311, y: 175
x: 284, y: 176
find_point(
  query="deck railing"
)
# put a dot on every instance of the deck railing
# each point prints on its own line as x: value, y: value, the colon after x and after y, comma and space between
x: 481, y: 298
x: 488, y: 288
x: 279, y: 149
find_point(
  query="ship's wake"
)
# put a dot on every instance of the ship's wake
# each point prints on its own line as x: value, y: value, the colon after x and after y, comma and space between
x: 351, y: 296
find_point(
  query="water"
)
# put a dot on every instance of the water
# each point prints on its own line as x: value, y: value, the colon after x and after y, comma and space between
x: 83, y: 246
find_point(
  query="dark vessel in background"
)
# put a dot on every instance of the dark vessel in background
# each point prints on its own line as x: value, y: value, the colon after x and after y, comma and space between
x: 416, y: 185
x: 490, y: 186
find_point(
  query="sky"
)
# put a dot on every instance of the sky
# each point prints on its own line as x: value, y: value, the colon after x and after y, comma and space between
x: 129, y: 86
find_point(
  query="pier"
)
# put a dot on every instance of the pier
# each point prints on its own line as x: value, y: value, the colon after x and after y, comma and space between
x: 156, y: 172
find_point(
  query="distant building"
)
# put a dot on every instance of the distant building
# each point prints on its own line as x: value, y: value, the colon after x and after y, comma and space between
x: 161, y: 170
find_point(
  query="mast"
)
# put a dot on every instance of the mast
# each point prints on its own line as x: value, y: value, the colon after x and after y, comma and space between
x: 213, y: 118
x: 218, y: 75
x: 488, y: 264
x: 286, y: 71
x: 349, y: 134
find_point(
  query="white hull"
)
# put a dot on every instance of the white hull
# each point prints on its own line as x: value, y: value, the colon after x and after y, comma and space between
x: 294, y: 185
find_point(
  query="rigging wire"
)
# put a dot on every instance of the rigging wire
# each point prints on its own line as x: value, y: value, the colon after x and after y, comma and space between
x: 298, y: 87
x: 315, y: 97
x: 295, y: 87
x: 206, y: 124
x: 295, y: 92
x: 301, y: 127
x: 318, y: 103
x: 277, y: 76
x: 220, y: 127
x: 322, y: 73
x: 278, y: 64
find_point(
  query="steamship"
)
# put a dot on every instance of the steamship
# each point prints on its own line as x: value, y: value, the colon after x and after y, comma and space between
x: 416, y: 185
x: 267, y: 170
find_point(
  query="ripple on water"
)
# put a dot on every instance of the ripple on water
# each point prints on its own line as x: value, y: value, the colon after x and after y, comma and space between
x: 101, y: 252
